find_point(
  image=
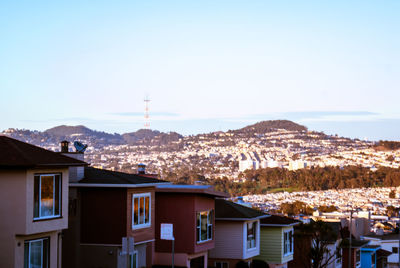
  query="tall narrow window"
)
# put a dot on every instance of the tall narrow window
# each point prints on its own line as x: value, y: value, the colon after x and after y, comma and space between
x: 141, y: 210
x: 36, y: 253
x: 251, y: 234
x: 204, y: 225
x: 47, y: 196
x: 288, y: 242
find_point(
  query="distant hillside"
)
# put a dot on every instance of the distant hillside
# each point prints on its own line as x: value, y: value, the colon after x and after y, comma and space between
x: 271, y: 125
x: 65, y: 131
x: 141, y: 134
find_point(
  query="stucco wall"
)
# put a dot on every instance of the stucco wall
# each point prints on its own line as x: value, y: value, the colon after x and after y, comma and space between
x: 16, y: 213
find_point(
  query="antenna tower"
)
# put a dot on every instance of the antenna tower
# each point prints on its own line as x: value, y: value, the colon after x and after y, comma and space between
x: 146, y: 113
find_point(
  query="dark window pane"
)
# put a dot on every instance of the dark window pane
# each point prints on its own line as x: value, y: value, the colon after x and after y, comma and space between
x: 136, y: 211
x: 47, y: 196
x: 57, y: 195
x: 204, y: 225
x: 26, y: 255
x: 46, y: 255
x: 35, y: 258
x: 36, y: 191
x: 147, y: 210
x: 141, y: 212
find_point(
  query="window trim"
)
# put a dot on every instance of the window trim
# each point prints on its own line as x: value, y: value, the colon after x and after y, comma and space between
x: 27, y: 265
x: 142, y: 225
x: 54, y: 216
x: 198, y: 227
x: 289, y: 231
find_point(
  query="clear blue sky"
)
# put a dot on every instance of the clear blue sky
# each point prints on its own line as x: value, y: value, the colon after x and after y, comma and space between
x: 333, y: 66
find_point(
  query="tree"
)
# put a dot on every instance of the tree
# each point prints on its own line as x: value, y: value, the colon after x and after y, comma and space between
x: 321, y: 235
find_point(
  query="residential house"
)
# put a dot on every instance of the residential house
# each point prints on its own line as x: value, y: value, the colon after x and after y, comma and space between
x: 112, y: 220
x: 34, y: 198
x: 237, y: 234
x: 352, y: 250
x: 191, y: 211
x: 388, y: 242
x: 276, y: 240
x: 369, y: 256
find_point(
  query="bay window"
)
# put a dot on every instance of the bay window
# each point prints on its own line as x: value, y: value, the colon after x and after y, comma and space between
x: 141, y: 210
x: 204, y: 226
x: 47, y: 196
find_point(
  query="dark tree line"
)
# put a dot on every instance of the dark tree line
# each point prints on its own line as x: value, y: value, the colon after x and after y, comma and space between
x: 262, y: 181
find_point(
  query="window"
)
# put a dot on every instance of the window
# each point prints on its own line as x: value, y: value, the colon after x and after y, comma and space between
x: 373, y: 260
x: 141, y: 210
x: 251, y: 234
x: 221, y: 264
x: 395, y: 249
x: 204, y: 225
x: 36, y: 253
x: 288, y: 242
x: 133, y: 260
x: 47, y: 196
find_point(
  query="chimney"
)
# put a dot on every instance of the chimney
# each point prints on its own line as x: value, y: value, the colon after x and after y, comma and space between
x: 75, y: 173
x: 141, y: 169
x: 64, y: 146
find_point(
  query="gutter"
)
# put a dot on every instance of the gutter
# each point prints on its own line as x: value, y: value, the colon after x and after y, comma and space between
x: 109, y: 185
x: 279, y: 225
x: 242, y: 219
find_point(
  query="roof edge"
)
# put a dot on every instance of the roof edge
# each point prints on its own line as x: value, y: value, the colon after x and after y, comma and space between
x: 109, y: 185
x: 242, y: 219
x: 279, y: 225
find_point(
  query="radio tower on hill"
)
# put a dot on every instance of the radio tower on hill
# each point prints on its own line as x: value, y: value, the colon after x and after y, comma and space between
x: 146, y: 113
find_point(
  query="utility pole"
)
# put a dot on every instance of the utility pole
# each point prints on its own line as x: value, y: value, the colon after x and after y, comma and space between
x: 350, y: 225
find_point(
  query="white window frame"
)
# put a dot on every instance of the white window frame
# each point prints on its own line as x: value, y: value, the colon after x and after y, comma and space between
x: 140, y: 225
x: 40, y: 217
x: 255, y: 226
x: 222, y: 264
x: 286, y: 243
x: 29, y: 242
x: 209, y: 223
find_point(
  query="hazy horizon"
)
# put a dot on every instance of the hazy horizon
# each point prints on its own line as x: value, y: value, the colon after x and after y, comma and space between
x: 206, y: 66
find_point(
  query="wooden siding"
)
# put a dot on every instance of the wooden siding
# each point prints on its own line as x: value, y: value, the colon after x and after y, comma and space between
x: 228, y: 240
x: 271, y: 247
x: 103, y: 215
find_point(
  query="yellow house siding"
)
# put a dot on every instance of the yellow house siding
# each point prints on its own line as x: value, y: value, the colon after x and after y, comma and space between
x: 271, y: 244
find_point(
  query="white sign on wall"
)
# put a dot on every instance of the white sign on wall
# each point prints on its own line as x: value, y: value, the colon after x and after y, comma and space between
x: 167, y: 231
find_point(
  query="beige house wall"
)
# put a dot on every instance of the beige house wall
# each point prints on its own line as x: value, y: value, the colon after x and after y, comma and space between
x: 228, y: 240
x: 16, y: 214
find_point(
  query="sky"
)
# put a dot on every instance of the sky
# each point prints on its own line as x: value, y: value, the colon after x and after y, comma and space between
x: 333, y: 66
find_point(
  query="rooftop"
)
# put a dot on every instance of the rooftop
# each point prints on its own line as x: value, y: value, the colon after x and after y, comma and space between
x: 227, y: 210
x: 275, y: 220
x: 18, y: 154
x: 103, y: 176
x: 192, y: 189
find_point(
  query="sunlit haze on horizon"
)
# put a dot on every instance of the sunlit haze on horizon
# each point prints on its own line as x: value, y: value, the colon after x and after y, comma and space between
x: 205, y: 65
